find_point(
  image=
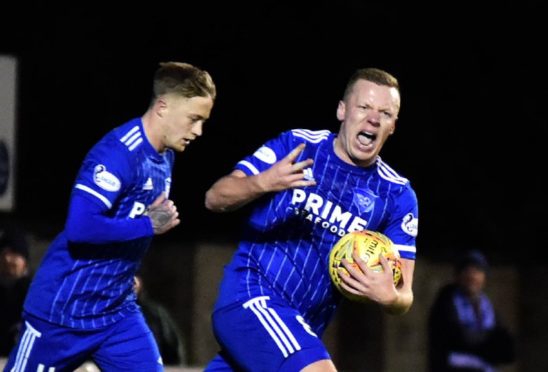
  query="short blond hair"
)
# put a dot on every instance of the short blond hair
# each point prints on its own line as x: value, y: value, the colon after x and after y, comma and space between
x: 183, y: 79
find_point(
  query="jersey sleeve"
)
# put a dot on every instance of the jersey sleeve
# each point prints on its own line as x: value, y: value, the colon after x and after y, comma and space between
x: 104, y: 173
x: 87, y: 223
x: 402, y: 228
x: 104, y: 176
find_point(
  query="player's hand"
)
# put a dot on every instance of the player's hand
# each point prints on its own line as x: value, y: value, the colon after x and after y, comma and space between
x: 163, y: 214
x: 287, y: 173
x: 364, y: 282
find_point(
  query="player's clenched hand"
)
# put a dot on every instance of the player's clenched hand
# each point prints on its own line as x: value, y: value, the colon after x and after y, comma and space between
x: 363, y: 281
x: 287, y: 173
x: 163, y: 214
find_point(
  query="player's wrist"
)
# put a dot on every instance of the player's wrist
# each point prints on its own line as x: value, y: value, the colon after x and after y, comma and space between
x: 399, y: 306
x: 260, y: 182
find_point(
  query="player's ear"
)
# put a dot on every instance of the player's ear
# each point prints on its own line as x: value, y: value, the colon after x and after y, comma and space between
x: 160, y: 107
x: 341, y: 110
x: 392, y: 128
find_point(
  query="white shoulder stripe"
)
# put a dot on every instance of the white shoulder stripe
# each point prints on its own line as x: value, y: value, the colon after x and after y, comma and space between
x: 405, y: 248
x: 249, y: 166
x: 94, y: 193
x: 389, y: 174
x: 133, y: 138
x: 130, y: 133
x: 388, y: 168
x: 314, y: 136
x: 390, y: 178
x: 311, y: 133
x: 137, y: 143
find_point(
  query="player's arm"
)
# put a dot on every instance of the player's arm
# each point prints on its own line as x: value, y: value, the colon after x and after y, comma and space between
x: 88, y: 222
x: 102, y: 179
x: 237, y: 189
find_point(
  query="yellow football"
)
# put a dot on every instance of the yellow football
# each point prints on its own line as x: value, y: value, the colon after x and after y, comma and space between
x: 369, y: 245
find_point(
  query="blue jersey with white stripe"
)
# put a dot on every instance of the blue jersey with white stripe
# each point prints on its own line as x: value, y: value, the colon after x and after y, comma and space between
x: 89, y: 283
x: 286, y: 243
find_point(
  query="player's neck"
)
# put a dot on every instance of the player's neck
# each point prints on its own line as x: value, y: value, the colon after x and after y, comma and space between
x: 149, y: 127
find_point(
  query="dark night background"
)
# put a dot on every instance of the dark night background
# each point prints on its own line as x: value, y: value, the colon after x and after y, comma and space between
x: 470, y: 136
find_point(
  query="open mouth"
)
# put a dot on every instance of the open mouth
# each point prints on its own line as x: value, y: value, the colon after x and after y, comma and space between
x: 366, y: 138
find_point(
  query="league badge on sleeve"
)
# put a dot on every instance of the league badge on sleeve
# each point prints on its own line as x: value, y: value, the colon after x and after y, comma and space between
x: 410, y: 224
x: 105, y: 180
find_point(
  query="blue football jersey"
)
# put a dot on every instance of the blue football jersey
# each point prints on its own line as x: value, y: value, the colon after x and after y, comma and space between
x: 90, y: 284
x: 286, y: 243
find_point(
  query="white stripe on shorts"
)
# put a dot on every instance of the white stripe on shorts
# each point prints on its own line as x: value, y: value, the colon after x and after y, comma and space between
x: 273, y: 324
x: 25, y: 347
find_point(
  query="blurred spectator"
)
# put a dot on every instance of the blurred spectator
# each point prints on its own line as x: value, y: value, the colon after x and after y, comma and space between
x: 14, y: 283
x: 162, y: 325
x: 464, y: 330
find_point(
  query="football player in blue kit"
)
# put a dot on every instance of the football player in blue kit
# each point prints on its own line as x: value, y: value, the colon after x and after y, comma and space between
x: 81, y: 304
x: 309, y: 189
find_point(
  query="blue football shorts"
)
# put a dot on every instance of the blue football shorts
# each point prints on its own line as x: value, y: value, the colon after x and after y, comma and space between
x: 264, y: 334
x: 127, y: 345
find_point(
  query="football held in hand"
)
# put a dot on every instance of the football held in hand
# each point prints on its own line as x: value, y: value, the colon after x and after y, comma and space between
x: 369, y: 245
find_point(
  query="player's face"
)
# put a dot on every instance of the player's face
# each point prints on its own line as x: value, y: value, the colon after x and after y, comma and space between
x: 183, y: 120
x: 368, y: 116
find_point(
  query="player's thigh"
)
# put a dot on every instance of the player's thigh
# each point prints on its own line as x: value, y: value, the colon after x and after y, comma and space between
x: 325, y: 365
x: 43, y: 346
x: 130, y: 346
x: 267, y: 335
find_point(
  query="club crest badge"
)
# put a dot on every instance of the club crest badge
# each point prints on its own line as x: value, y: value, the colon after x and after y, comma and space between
x: 364, y: 200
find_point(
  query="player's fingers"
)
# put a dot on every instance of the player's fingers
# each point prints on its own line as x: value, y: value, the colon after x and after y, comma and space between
x: 360, y: 262
x: 351, y: 284
x: 299, y: 166
x: 351, y: 268
x: 159, y: 200
x: 169, y: 204
x: 384, y: 263
x: 297, y: 180
x: 174, y: 222
x: 348, y: 287
x: 295, y: 152
x: 303, y: 183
